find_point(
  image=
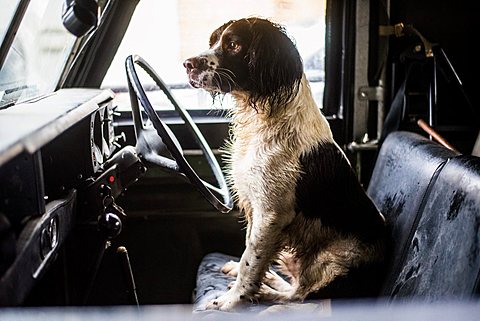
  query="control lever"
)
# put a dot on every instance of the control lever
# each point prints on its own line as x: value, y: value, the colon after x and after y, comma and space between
x: 109, y: 224
x: 120, y: 171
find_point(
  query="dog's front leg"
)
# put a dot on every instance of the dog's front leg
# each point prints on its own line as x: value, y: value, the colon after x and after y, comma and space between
x: 262, y: 246
x: 231, y: 268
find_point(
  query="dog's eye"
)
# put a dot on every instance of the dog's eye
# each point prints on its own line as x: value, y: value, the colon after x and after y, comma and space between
x: 233, y: 46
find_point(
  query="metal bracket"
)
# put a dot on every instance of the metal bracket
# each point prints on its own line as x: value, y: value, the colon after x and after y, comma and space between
x: 397, y: 30
x: 371, y: 93
x: 400, y: 30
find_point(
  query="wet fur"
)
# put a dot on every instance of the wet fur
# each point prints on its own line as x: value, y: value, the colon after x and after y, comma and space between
x: 303, y: 205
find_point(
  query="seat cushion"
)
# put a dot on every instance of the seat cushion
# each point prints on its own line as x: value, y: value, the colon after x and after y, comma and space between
x: 443, y: 257
x: 406, y: 166
x: 211, y: 283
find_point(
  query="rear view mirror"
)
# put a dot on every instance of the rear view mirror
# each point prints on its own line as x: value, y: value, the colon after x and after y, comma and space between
x: 80, y: 16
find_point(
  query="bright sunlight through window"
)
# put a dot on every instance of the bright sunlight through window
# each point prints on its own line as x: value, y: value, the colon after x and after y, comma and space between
x: 165, y: 33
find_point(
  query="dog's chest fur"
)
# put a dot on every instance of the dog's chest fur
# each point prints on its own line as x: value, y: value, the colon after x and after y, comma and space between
x: 266, y: 151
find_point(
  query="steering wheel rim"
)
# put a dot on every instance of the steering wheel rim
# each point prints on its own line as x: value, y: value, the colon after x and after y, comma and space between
x: 178, y: 164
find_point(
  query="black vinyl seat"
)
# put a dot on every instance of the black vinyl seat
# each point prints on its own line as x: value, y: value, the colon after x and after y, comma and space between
x: 406, y: 166
x: 443, y: 258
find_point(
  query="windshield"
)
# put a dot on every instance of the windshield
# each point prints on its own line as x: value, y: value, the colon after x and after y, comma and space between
x: 38, y: 53
x: 6, y: 15
x: 165, y: 33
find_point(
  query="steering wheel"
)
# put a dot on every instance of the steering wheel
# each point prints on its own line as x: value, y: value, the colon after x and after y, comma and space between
x: 151, y: 143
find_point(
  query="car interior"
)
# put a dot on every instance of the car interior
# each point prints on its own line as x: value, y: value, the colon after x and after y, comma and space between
x: 113, y: 196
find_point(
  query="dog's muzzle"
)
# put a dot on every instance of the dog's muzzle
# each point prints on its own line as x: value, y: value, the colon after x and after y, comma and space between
x: 199, y: 72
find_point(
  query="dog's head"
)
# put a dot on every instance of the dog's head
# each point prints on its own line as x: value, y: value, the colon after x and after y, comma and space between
x: 253, y: 56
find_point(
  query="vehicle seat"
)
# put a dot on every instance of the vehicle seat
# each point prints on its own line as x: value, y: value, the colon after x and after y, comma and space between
x: 406, y: 166
x: 443, y: 257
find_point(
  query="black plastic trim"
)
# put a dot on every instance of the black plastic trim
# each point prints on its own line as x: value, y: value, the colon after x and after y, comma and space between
x: 31, y: 261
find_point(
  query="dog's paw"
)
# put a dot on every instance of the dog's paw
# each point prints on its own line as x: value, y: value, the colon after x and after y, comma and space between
x: 230, y: 268
x: 227, y: 302
x: 276, y: 282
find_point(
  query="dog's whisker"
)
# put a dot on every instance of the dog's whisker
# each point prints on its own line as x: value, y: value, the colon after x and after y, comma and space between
x: 226, y: 70
x: 222, y: 74
x: 228, y: 74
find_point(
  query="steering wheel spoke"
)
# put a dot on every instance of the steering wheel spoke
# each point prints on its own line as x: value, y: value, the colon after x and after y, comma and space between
x: 161, y: 161
x: 150, y: 146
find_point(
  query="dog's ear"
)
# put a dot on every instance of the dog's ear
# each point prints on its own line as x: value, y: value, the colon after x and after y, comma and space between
x: 275, y: 66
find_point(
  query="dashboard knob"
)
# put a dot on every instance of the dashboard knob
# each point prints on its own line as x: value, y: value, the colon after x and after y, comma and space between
x: 109, y: 224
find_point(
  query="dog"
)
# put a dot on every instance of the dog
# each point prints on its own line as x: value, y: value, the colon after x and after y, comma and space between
x: 305, y: 210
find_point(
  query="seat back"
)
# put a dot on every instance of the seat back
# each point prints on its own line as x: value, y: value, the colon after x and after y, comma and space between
x: 406, y: 166
x: 443, y: 257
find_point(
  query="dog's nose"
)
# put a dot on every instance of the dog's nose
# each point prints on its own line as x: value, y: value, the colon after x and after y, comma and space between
x: 188, y: 64
x: 195, y: 62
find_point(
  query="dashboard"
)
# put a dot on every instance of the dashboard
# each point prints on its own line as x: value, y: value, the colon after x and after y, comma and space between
x: 51, y: 150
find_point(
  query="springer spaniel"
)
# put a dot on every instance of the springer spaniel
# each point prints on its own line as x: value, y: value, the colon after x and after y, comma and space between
x: 304, y: 207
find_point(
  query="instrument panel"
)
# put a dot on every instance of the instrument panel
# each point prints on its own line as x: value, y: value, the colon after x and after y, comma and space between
x: 78, y: 154
x: 51, y: 150
x: 102, y: 136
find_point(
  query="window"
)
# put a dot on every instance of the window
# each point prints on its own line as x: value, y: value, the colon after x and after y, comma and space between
x: 165, y: 33
x: 37, y: 55
x: 6, y: 15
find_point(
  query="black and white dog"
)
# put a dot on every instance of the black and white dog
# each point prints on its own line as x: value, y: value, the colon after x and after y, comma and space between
x: 303, y: 204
